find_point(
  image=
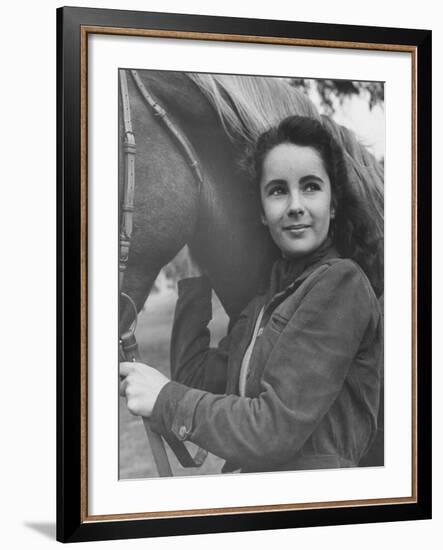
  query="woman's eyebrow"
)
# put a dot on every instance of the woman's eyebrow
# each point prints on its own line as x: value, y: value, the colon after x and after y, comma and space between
x: 276, y: 181
x: 311, y: 177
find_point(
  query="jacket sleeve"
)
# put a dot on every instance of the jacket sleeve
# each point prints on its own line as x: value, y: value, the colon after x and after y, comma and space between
x: 193, y: 362
x: 303, y: 375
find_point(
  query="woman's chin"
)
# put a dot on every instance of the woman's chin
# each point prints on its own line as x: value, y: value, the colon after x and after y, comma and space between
x: 296, y: 249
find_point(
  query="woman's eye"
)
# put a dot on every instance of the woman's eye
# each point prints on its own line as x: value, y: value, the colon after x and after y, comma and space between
x: 312, y: 186
x: 278, y: 190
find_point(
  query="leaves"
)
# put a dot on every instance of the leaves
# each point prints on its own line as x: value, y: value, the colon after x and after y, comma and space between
x: 330, y: 91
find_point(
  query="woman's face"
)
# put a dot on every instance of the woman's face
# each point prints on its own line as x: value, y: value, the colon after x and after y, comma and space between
x: 296, y: 198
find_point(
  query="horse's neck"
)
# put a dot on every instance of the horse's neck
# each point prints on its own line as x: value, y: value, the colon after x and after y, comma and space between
x: 229, y: 240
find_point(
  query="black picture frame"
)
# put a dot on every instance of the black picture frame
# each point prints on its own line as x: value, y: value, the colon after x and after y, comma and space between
x: 73, y: 523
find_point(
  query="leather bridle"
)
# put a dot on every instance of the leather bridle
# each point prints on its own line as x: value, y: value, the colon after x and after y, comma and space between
x: 129, y: 150
x: 128, y: 343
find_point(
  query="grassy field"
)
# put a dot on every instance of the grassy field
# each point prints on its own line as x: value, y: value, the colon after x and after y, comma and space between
x: 153, y: 336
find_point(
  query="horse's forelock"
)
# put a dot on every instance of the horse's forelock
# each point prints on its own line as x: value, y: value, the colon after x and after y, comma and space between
x: 248, y: 106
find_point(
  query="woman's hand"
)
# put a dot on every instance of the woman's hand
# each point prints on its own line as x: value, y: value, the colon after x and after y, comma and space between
x: 140, y: 384
x: 190, y: 266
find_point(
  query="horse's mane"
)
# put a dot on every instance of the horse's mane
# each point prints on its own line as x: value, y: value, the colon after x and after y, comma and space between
x: 365, y: 172
x: 249, y: 105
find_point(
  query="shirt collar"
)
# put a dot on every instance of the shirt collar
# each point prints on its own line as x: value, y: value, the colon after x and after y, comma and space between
x: 286, y: 272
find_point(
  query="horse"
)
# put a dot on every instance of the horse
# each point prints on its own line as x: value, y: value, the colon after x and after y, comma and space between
x: 217, y: 214
x: 220, y: 115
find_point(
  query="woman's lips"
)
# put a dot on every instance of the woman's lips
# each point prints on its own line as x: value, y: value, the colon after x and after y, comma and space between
x: 296, y: 229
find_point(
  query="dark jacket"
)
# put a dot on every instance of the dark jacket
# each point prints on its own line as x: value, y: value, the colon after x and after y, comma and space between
x: 313, y: 385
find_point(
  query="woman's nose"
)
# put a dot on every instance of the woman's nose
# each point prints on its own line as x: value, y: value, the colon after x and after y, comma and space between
x: 295, y: 206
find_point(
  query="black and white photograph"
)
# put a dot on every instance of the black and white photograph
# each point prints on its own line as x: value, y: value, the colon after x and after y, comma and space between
x: 251, y: 273
x: 221, y: 227
x: 244, y: 254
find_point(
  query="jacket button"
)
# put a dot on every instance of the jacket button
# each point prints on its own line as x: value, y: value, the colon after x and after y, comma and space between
x: 182, y: 432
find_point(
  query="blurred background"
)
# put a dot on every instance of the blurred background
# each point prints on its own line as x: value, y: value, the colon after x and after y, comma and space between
x: 356, y: 105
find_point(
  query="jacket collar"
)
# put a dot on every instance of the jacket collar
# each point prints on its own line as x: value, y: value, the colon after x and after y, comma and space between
x: 287, y: 274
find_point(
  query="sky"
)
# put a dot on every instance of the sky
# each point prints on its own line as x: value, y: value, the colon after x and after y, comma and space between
x: 354, y: 113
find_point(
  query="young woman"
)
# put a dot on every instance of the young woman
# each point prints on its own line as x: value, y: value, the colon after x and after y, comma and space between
x: 296, y: 382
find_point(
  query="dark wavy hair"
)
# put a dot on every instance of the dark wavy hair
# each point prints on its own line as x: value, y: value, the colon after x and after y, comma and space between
x: 353, y: 230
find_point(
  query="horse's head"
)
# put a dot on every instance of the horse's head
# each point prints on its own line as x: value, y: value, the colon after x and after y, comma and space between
x: 218, y: 217
x: 165, y: 199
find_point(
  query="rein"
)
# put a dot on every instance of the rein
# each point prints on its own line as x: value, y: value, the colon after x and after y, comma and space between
x: 128, y: 344
x: 180, y: 139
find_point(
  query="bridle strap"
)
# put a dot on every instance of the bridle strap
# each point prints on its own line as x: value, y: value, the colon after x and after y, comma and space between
x: 129, y: 150
x: 181, y: 140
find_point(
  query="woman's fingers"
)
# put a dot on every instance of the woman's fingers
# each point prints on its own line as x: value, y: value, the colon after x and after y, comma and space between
x: 140, y: 384
x: 125, y: 368
x: 123, y: 385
